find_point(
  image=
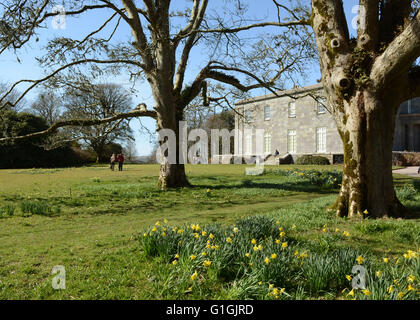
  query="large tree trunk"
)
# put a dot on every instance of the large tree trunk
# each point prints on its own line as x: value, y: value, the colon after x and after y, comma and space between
x: 367, y: 135
x: 172, y: 175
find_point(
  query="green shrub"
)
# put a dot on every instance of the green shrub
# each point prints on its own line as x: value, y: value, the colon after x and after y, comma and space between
x: 8, y: 210
x: 407, y: 192
x: 313, y: 160
x: 30, y: 207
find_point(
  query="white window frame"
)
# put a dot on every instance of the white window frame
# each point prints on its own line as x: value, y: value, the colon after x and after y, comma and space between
x: 267, y: 142
x: 292, y: 148
x: 265, y: 113
x: 290, y: 109
x: 321, y: 140
x: 320, y: 106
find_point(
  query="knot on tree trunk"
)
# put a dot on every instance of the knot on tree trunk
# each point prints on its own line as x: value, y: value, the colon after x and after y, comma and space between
x: 335, y: 43
x: 341, y: 81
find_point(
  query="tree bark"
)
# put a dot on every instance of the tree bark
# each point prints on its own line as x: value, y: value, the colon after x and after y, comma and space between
x: 365, y: 84
x: 172, y: 175
x: 367, y: 136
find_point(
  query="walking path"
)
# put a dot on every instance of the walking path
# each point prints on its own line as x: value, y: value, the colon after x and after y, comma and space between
x: 409, y: 171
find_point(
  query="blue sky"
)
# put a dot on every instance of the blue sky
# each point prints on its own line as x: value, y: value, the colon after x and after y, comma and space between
x: 12, y: 70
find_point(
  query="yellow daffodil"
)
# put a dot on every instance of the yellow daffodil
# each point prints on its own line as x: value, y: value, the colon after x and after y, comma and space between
x: 401, y: 295
x: 378, y: 273
x: 367, y: 292
x: 260, y: 283
x: 270, y: 286
x: 207, y: 263
x: 278, y: 241
x: 165, y: 221
x: 274, y: 256
x: 386, y: 260
x: 255, y: 248
x: 337, y: 230
x: 411, y: 278
x: 267, y: 260
x: 176, y: 256
x: 390, y: 289
x: 324, y: 230
x: 351, y: 293
x: 277, y: 222
x: 410, y: 287
x: 253, y: 241
x: 260, y: 247
x: 294, y: 227
x: 163, y: 234
x: 284, y: 245
x: 192, y: 257
x: 348, y: 277
x: 211, y: 236
x: 360, y: 260
x: 194, y: 276
x: 174, y: 262
x: 203, y: 254
x: 203, y: 233
x: 282, y: 234
x: 229, y: 240
x: 154, y: 229
x: 236, y: 230
x: 347, y: 234
x: 247, y: 255
x: 158, y: 223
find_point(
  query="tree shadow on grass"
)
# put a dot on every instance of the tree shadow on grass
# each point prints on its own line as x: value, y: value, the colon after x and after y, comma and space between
x: 301, y: 186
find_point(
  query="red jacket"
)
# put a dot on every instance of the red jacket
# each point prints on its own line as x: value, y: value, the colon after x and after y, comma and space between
x: 120, y: 158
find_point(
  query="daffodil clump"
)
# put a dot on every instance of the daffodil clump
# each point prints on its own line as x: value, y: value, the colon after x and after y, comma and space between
x: 259, y: 258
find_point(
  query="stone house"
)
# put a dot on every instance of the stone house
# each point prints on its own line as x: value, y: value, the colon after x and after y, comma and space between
x: 297, y: 122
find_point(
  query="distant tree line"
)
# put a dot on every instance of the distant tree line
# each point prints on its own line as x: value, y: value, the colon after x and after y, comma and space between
x: 70, y: 146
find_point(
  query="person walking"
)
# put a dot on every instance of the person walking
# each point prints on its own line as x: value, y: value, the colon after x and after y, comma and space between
x: 112, y: 162
x: 120, y: 159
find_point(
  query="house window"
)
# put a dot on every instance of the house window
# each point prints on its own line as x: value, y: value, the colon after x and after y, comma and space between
x: 321, y: 103
x: 267, y: 113
x: 291, y: 141
x: 292, y: 110
x: 248, y: 144
x: 248, y: 115
x: 267, y: 143
x: 321, y: 140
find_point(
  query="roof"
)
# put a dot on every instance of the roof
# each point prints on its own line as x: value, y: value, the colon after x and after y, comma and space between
x: 314, y: 87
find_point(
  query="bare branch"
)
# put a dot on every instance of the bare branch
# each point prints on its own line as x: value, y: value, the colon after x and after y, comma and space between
x: 400, y: 55
x: 142, y: 112
x: 36, y: 82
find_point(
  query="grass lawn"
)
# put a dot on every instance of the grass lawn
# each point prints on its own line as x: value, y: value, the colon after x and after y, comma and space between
x: 90, y: 220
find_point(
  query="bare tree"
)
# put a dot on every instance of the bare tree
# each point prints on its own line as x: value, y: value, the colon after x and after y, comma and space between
x: 160, y: 51
x: 366, y: 79
x: 48, y: 106
x: 99, y: 101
